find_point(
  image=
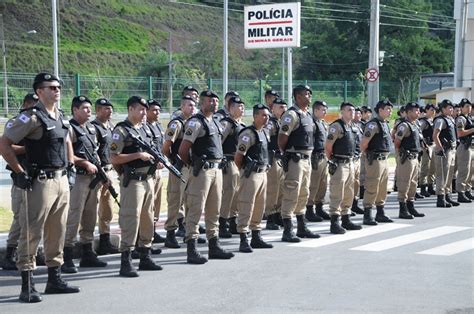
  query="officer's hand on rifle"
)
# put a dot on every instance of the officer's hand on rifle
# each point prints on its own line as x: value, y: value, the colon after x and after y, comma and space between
x: 145, y: 156
x: 160, y: 166
x: 90, y: 167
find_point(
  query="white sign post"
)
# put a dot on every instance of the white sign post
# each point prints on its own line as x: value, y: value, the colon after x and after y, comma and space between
x: 274, y: 26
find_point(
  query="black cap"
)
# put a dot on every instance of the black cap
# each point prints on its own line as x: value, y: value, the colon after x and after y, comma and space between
x: 430, y: 106
x: 137, y: 100
x: 231, y: 93
x: 209, y: 93
x: 190, y: 88
x: 79, y: 100
x: 300, y: 88
x: 236, y: 100
x: 346, y: 104
x: 464, y: 101
x: 382, y: 104
x: 30, y: 97
x: 271, y: 92
x: 358, y: 109
x: 319, y: 103
x: 366, y: 109
x: 44, y: 77
x: 411, y: 105
x: 279, y: 101
x: 445, y: 103
x: 187, y: 97
x: 153, y: 102
x: 103, y: 102
x: 260, y: 107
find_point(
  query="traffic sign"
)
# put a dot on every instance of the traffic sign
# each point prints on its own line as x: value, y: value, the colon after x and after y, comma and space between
x: 372, y: 75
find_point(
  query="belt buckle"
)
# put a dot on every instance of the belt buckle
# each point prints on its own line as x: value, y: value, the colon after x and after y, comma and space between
x: 42, y: 176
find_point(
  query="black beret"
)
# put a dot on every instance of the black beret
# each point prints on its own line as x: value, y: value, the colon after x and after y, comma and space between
x: 411, y: 105
x: 358, y: 109
x: 231, y: 93
x: 260, y: 107
x: 30, y: 97
x: 190, y: 88
x: 103, y: 102
x: 44, y: 77
x: 319, y: 103
x: 300, y: 88
x: 271, y: 92
x: 187, y: 97
x: 382, y: 104
x: 137, y: 100
x: 366, y: 109
x: 430, y: 106
x: 78, y: 100
x: 346, y: 104
x: 445, y: 103
x: 209, y: 93
x: 279, y: 101
x: 464, y: 101
x: 153, y: 102
x: 236, y: 100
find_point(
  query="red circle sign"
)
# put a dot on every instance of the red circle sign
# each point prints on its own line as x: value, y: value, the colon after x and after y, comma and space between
x: 372, y: 75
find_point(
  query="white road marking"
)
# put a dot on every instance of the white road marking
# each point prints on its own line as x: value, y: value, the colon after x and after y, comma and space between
x: 451, y: 248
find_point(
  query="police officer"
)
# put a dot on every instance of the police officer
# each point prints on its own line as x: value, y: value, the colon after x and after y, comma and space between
x: 427, y: 168
x: 201, y: 149
x: 157, y: 132
x: 48, y: 148
x: 340, y: 150
x: 358, y: 129
x: 173, y: 137
x: 187, y: 91
x: 376, y: 147
x: 401, y: 113
x: 270, y: 96
x: 319, y: 174
x: 366, y: 116
x: 137, y: 170
x: 82, y: 214
x: 9, y: 261
x: 464, y: 151
x: 408, y: 147
x: 224, y: 111
x: 232, y: 125
x: 295, y: 140
x: 275, y: 174
x: 252, y: 160
x: 444, y: 137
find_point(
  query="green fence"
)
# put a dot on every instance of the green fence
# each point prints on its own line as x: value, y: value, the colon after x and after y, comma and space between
x: 119, y: 89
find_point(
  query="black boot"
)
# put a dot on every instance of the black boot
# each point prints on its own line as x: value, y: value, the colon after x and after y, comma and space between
x: 224, y: 233
x: 89, y: 258
x: 450, y: 201
x: 431, y: 189
x: 320, y: 212
x: 201, y: 240
x: 418, y: 196
x: 310, y: 215
x: 279, y: 219
x: 380, y: 215
x: 193, y: 256
x: 368, y: 220
x: 146, y: 263
x: 68, y: 267
x: 105, y: 246
x: 302, y: 230
x: 395, y: 188
x: 216, y: 251
x: 233, y: 225
x: 157, y: 238
x: 28, y: 292
x: 412, y: 210
x: 355, y: 207
x: 348, y: 224
x: 424, y: 191
x: 244, y: 246
x: 469, y: 195
x: 403, y: 213
x: 257, y: 241
x: 462, y: 198
x: 361, y: 192
x: 271, y: 222
x: 441, y: 202
x: 288, y: 234
x: 201, y: 230
x: 9, y: 262
x: 40, y: 258
x: 126, y: 267
x: 181, y: 230
x: 335, y: 226
x: 170, y: 241
x: 56, y: 285
x: 453, y: 186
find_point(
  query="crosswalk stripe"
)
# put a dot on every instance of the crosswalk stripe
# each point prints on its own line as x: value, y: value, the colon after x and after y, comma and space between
x: 451, y: 248
x: 351, y: 235
x: 409, y: 238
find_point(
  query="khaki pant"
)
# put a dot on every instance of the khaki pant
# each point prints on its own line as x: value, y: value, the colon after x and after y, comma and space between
x: 157, y: 196
x: 318, y: 183
x: 341, y: 189
x: 357, y: 168
x: 251, y: 201
x: 136, y: 213
x: 444, y: 172
x: 17, y: 204
x: 46, y: 209
x: 464, y: 158
x: 427, y: 171
x: 296, y: 188
x: 274, y: 194
x: 362, y: 172
x: 174, y: 196
x: 376, y: 180
x: 230, y: 187
x: 407, y: 180
x: 203, y: 192
x: 105, y: 212
x: 82, y: 214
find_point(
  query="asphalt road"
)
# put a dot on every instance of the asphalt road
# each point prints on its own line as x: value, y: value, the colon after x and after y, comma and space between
x: 419, y: 266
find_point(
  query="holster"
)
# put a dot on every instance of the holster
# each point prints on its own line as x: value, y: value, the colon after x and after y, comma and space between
x: 314, y: 162
x: 126, y: 176
x: 403, y: 155
x: 370, y: 157
x: 250, y: 165
x: 197, y: 166
x: 332, y: 167
x: 285, y: 162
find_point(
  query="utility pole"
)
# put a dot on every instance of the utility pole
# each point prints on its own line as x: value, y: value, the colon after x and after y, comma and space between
x: 373, y: 87
x: 283, y: 73
x: 290, y: 77
x: 55, y: 41
x: 225, y: 61
x: 170, y: 74
x: 459, y: 71
x: 5, y: 79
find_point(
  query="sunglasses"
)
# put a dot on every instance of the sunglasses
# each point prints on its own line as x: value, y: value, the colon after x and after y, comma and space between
x: 53, y: 87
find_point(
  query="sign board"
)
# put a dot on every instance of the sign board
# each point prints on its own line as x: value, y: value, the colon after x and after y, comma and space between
x: 272, y: 25
x: 372, y: 75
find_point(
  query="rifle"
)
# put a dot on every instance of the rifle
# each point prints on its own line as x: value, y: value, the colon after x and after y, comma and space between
x: 158, y: 156
x: 425, y: 147
x: 100, y: 176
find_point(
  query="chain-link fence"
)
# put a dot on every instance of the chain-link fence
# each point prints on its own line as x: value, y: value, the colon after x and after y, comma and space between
x: 119, y: 89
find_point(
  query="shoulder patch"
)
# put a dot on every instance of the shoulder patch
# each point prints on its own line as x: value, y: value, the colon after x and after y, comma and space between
x: 191, y: 123
x: 400, y: 133
x: 330, y: 137
x: 24, y: 118
x: 371, y: 126
x: 245, y: 138
x: 367, y: 134
x: 189, y: 131
x: 242, y: 147
x: 401, y: 128
x: 287, y: 119
x: 113, y: 146
x: 173, y: 126
x: 332, y: 130
x: 115, y: 136
x: 285, y: 128
x: 170, y: 133
x: 9, y: 125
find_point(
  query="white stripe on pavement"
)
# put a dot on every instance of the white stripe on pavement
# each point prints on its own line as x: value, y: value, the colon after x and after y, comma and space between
x: 351, y: 235
x: 409, y: 238
x: 451, y: 248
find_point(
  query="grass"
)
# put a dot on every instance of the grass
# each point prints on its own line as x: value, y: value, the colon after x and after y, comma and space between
x: 6, y: 216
